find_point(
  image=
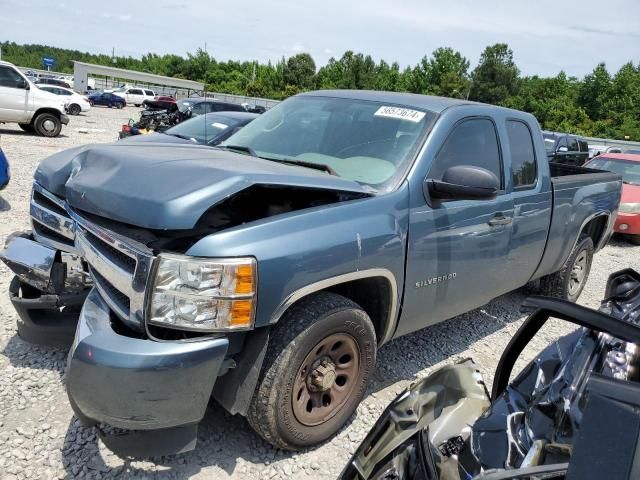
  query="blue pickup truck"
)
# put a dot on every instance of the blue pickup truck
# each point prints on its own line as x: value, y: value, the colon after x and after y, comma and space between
x: 266, y: 272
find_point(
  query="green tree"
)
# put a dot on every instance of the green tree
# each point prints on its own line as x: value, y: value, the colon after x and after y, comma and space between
x: 496, y: 77
x: 301, y: 71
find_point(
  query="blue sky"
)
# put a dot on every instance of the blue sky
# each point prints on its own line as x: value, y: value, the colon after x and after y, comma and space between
x: 546, y: 36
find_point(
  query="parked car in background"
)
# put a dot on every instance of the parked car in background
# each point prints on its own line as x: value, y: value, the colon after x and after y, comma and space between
x: 53, y: 81
x: 627, y: 165
x: 75, y: 103
x: 200, y: 106
x: 5, y: 170
x: 566, y: 149
x: 633, y: 151
x: 268, y: 271
x: 208, y: 129
x: 22, y: 102
x: 107, y: 99
x: 159, y: 102
x: 136, y: 96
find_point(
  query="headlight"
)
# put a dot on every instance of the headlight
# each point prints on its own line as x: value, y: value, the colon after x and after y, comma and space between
x: 629, y: 208
x: 203, y: 294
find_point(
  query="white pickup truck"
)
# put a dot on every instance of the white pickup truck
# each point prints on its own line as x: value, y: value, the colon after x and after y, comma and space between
x: 24, y: 103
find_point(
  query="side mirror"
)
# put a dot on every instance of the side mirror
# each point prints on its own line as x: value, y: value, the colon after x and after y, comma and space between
x: 463, y: 182
x: 23, y: 84
x: 562, y: 150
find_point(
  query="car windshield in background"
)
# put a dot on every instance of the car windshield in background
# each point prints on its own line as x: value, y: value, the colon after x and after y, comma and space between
x: 629, y: 170
x: 203, y: 128
x: 369, y: 142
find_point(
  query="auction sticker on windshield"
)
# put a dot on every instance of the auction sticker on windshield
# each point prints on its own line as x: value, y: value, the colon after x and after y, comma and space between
x: 400, y: 113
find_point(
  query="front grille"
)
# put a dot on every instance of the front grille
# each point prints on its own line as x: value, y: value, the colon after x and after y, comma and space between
x: 121, y: 259
x: 40, y: 199
x: 42, y: 231
x: 120, y: 268
x: 119, y: 265
x: 52, y: 224
x: 112, y: 292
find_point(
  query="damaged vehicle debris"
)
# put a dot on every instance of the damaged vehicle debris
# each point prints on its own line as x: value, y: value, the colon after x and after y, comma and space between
x: 573, y: 412
x: 267, y: 271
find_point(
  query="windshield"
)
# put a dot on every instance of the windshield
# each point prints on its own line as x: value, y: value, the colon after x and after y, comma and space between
x: 629, y: 170
x: 369, y: 142
x: 203, y: 128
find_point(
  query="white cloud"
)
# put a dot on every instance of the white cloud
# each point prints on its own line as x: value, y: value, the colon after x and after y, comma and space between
x: 124, y: 18
x: 297, y: 47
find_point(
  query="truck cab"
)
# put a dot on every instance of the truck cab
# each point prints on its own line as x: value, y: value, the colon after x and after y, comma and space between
x: 268, y: 271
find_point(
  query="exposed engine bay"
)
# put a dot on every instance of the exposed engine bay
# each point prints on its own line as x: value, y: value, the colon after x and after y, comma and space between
x: 249, y: 205
x: 573, y: 412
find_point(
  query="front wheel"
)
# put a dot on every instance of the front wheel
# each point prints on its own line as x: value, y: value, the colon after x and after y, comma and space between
x: 47, y: 125
x: 119, y: 106
x: 568, y: 282
x: 315, y: 372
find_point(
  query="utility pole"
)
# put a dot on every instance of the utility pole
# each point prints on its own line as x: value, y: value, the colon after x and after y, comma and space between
x: 253, y: 75
x: 0, y: 53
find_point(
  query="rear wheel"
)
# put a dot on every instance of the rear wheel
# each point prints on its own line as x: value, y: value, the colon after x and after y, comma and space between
x: 119, y: 106
x: 47, y: 125
x: 315, y: 372
x: 569, y: 281
x: 27, y: 127
x: 74, y: 109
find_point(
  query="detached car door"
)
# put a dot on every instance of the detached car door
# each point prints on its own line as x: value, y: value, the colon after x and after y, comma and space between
x: 14, y: 95
x: 457, y: 249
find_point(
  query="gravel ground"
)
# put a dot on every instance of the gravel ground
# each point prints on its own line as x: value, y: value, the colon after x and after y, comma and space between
x: 40, y: 438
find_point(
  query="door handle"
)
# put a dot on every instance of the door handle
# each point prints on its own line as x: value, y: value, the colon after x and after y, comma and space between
x: 500, y: 219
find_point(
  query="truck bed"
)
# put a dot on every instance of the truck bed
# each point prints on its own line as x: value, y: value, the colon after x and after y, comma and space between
x: 580, y: 195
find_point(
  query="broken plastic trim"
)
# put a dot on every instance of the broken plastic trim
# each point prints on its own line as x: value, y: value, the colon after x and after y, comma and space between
x: 545, y: 308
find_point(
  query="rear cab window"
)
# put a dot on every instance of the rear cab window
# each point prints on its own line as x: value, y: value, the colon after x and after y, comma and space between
x: 523, y: 159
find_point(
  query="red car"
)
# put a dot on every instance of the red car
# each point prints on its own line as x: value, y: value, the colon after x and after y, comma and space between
x: 159, y: 102
x: 627, y: 165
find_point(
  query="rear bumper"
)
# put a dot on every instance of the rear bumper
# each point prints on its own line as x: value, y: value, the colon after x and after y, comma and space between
x: 628, y: 223
x: 158, y: 389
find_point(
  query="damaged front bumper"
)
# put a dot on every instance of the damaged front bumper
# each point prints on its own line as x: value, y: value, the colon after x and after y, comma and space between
x: 157, y: 391
x: 47, y: 291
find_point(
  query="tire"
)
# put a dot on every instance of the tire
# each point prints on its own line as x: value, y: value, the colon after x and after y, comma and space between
x: 282, y: 408
x: 47, y: 125
x: 568, y: 282
x: 27, y: 127
x: 74, y: 109
x: 137, y: 104
x: 119, y: 106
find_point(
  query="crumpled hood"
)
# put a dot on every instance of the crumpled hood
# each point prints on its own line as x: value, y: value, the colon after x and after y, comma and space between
x: 165, y: 186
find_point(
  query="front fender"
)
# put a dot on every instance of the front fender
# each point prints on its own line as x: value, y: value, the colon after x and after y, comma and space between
x: 308, y: 247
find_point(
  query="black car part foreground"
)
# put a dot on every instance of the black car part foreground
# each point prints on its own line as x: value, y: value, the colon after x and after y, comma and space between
x: 572, y: 413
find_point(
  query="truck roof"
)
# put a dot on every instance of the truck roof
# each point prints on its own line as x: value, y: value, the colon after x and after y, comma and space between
x: 424, y: 102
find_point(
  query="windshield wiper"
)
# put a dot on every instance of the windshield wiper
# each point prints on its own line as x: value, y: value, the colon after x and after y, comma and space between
x: 323, y: 167
x: 239, y: 148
